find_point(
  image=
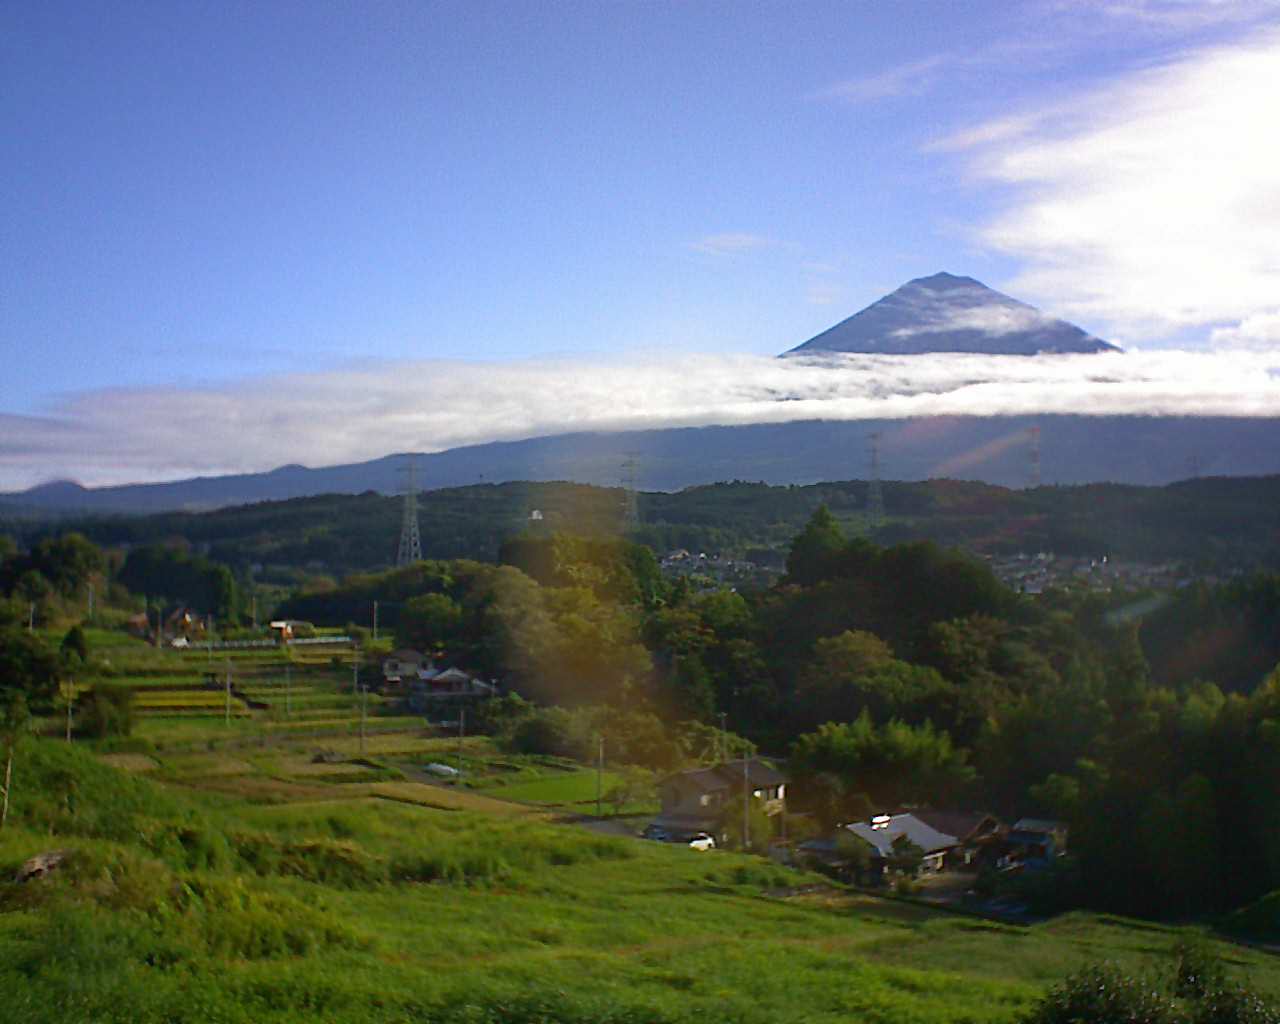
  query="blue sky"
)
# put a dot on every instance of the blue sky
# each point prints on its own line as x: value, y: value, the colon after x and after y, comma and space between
x: 232, y: 202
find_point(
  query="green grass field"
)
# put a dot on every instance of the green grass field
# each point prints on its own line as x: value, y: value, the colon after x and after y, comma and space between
x: 571, y: 791
x: 279, y: 868
x: 248, y: 886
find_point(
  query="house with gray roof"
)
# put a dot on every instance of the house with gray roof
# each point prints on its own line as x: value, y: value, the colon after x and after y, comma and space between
x: 882, y: 832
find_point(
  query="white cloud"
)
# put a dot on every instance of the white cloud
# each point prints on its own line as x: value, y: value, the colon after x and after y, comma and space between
x: 1150, y: 205
x: 731, y: 243
x: 994, y: 320
x: 1173, y: 15
x: 1261, y: 332
x: 329, y: 418
x: 909, y: 79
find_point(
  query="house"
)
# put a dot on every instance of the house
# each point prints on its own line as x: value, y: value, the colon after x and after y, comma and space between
x: 884, y: 830
x: 1035, y: 841
x: 694, y: 801
x: 401, y: 667
x: 436, y: 689
x: 978, y: 835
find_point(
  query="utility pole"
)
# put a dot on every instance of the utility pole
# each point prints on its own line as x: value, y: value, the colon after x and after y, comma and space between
x: 375, y: 622
x: 227, y: 715
x: 746, y: 805
x: 31, y: 617
x: 462, y: 732
x: 364, y: 700
x: 599, y: 771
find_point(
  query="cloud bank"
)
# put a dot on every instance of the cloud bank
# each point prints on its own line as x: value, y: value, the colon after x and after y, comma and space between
x: 119, y: 436
x: 1150, y: 205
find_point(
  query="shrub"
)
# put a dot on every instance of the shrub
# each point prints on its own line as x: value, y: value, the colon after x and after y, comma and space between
x: 1103, y: 994
x: 1197, y: 969
x: 107, y: 710
x: 1199, y: 993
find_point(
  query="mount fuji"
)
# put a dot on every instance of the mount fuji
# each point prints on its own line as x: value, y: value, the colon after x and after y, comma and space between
x: 946, y: 313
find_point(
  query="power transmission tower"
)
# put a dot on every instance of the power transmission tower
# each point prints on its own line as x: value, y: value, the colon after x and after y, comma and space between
x: 1033, y: 465
x: 875, y: 496
x: 1033, y: 476
x: 630, y: 505
x: 410, y: 540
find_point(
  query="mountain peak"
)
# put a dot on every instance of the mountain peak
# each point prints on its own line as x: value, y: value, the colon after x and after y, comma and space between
x: 949, y: 313
x: 58, y: 488
x: 942, y: 281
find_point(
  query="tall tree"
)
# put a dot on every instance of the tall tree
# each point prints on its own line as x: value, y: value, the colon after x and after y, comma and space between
x: 815, y: 553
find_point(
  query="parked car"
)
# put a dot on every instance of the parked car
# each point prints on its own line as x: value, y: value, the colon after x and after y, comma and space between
x: 445, y: 770
x: 702, y: 841
x: 655, y: 832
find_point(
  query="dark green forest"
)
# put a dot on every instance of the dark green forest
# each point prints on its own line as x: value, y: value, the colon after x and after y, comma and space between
x: 1212, y: 523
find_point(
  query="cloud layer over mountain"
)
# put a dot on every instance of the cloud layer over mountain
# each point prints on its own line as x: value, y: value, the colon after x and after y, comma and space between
x: 118, y: 436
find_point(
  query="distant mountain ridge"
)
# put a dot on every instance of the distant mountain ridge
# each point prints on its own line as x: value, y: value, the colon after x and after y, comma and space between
x: 947, y: 313
x: 1073, y: 449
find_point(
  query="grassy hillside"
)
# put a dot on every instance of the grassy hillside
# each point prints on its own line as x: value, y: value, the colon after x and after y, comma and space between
x: 243, y: 886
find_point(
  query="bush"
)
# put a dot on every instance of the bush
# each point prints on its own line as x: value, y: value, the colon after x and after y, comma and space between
x: 549, y: 731
x: 1197, y: 969
x: 1198, y: 992
x: 107, y: 710
x: 1103, y: 994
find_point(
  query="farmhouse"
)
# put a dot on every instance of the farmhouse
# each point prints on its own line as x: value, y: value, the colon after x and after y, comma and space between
x: 425, y: 687
x: 888, y: 834
x: 694, y: 801
x: 978, y: 835
x: 1034, y: 842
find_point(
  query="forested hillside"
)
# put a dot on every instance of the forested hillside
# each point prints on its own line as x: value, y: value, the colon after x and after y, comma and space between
x: 1211, y: 523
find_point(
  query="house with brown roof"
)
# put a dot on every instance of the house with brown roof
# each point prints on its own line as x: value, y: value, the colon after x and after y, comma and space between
x: 694, y: 801
x: 978, y: 835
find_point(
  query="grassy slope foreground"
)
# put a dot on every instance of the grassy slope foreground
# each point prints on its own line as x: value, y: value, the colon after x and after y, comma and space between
x: 180, y: 903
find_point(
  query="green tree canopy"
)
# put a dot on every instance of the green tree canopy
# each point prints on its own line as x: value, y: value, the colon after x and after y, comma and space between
x: 430, y: 622
x: 28, y: 666
x: 894, y: 763
x: 815, y: 553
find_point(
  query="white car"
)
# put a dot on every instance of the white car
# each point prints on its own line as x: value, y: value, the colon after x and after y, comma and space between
x: 702, y: 841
